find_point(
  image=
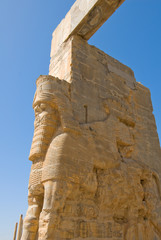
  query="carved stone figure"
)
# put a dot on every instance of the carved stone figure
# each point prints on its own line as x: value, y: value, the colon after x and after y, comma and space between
x: 48, y: 174
x: 96, y: 157
x: 59, y: 158
x: 71, y: 160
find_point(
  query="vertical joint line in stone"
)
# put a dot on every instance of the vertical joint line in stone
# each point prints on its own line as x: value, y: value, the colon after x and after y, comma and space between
x: 86, y: 113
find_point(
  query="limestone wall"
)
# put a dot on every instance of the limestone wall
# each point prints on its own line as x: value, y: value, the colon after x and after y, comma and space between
x: 107, y: 88
x: 118, y: 195
x: 60, y: 63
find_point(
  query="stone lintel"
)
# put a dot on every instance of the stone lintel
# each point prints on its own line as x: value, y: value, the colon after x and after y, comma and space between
x: 84, y: 18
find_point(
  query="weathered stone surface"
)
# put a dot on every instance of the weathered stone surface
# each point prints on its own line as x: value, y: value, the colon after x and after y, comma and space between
x: 96, y: 154
x: 84, y: 19
x: 96, y: 171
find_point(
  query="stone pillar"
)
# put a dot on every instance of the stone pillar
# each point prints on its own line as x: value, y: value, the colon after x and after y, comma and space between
x: 20, y: 226
x: 15, y: 231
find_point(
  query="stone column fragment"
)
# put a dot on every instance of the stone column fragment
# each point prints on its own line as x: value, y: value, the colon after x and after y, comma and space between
x: 20, y: 227
x: 15, y: 232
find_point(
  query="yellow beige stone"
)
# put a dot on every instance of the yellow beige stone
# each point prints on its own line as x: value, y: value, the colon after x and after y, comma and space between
x: 96, y: 157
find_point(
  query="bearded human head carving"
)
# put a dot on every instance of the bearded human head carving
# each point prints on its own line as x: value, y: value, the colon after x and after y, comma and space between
x: 47, y: 118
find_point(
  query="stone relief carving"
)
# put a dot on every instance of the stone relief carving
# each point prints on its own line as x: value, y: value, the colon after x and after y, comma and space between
x: 57, y: 166
x: 103, y: 178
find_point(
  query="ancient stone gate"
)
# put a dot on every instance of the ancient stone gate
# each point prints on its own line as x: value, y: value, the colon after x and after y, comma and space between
x: 96, y: 154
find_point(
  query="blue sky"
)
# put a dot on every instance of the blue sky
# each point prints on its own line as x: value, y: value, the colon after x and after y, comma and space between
x: 132, y: 35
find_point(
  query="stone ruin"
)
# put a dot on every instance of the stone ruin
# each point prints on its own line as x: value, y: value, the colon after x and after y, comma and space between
x: 96, y: 157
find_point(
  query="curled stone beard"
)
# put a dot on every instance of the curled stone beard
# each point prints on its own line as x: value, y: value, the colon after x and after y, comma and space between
x: 44, y: 131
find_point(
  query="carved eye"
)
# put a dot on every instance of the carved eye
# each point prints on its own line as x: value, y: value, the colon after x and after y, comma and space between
x: 38, y: 109
x: 43, y: 106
